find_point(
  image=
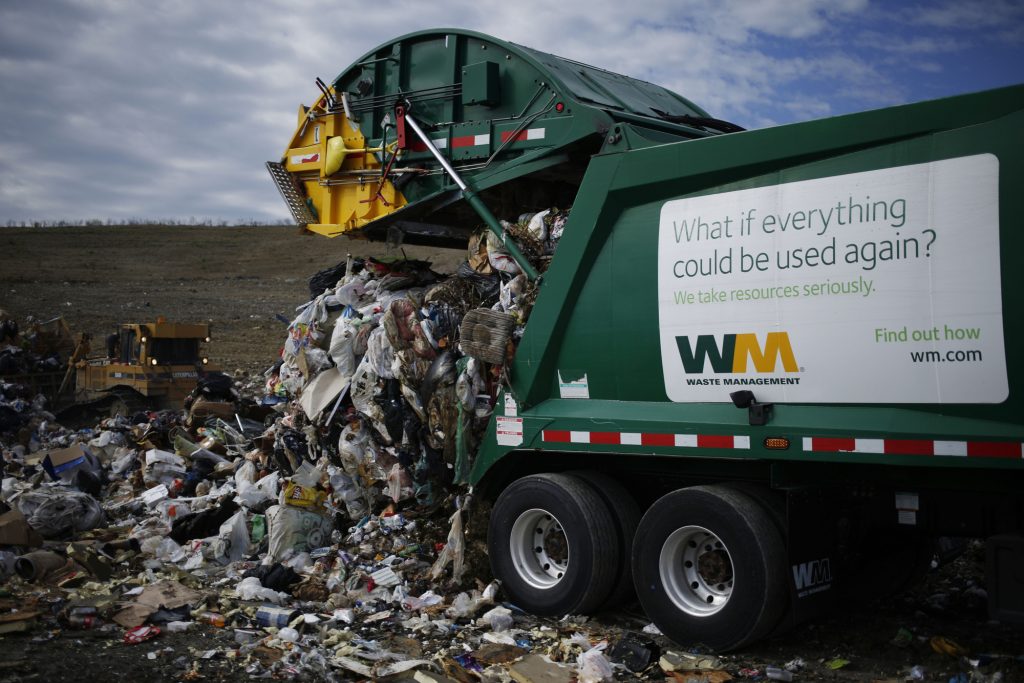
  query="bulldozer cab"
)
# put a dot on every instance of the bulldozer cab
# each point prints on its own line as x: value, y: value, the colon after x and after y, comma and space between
x: 156, y: 363
x: 161, y: 343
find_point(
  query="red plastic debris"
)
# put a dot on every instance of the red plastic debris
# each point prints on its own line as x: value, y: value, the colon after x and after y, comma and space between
x: 140, y: 634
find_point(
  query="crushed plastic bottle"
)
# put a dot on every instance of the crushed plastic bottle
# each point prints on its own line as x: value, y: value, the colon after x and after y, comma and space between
x: 288, y: 634
x: 213, y: 618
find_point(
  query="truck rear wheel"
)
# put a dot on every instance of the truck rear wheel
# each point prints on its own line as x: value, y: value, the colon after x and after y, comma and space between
x: 626, y: 515
x: 553, y: 545
x: 710, y: 567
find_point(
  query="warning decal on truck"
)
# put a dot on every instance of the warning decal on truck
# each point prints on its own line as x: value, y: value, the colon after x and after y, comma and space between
x: 873, y: 287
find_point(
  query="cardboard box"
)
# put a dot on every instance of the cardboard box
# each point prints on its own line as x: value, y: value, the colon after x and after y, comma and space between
x: 59, y: 463
x: 15, y: 530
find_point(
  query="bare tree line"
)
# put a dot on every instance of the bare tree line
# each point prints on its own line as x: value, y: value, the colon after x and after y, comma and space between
x: 142, y: 222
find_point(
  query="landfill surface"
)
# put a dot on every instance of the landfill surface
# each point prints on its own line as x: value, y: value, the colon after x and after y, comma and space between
x: 306, y: 516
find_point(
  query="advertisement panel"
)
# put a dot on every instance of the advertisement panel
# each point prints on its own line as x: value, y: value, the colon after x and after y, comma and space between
x: 873, y: 287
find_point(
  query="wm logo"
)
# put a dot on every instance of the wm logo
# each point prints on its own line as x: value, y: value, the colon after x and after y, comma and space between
x: 735, y: 352
x: 810, y: 574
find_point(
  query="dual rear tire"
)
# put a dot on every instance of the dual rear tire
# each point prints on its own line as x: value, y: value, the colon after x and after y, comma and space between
x: 552, y: 543
x: 708, y: 562
x: 710, y: 567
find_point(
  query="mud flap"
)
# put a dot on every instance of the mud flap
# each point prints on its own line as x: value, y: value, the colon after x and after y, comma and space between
x: 812, y: 555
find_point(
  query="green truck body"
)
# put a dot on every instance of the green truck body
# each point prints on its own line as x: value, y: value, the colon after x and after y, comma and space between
x: 793, y: 347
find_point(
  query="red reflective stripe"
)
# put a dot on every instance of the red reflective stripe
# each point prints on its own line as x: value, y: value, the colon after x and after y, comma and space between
x: 831, y: 444
x: 518, y: 138
x: 993, y: 449
x: 605, y: 438
x: 464, y: 141
x: 909, y: 447
x: 712, y: 441
x: 658, y: 439
x: 556, y: 436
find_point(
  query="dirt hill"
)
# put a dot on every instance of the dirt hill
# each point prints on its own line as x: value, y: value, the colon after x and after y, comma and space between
x: 238, y: 279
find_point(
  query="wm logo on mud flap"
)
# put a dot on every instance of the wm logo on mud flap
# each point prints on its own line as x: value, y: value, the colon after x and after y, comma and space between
x: 812, y: 577
x: 734, y: 353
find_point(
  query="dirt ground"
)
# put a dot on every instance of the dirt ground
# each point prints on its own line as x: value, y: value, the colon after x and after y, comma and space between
x: 237, y: 279
x: 241, y: 280
x: 881, y: 641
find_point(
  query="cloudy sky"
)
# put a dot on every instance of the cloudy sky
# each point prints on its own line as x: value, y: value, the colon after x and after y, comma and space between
x: 118, y: 109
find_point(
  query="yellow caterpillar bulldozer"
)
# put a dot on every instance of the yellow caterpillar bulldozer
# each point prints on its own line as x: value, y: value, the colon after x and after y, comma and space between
x: 152, y: 365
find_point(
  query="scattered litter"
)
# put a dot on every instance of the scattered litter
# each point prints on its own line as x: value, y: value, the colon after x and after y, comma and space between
x: 592, y: 667
x: 685, y: 661
x: 540, y: 669
x: 140, y: 634
x: 945, y: 646
x: 322, y: 520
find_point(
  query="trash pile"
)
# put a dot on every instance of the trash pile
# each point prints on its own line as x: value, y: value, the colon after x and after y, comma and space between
x: 312, y: 518
x: 322, y: 523
x: 35, y: 347
x: 33, y: 361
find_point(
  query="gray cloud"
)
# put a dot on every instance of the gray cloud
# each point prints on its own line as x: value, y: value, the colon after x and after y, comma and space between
x: 115, y: 109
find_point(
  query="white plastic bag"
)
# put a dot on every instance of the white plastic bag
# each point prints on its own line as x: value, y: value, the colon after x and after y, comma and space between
x: 537, y: 227
x: 316, y: 361
x: 498, y: 618
x: 592, y: 667
x: 234, y: 534
x: 340, y: 349
x: 428, y: 599
x: 498, y: 257
x: 400, y: 484
x: 169, y: 551
x: 254, y: 495
x: 454, y: 551
x: 348, y: 493
x: 307, y: 476
x: 246, y: 474
x: 252, y: 589
x: 290, y: 529
x: 380, y: 353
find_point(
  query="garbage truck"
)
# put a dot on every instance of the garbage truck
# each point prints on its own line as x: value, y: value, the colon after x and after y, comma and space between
x: 765, y: 369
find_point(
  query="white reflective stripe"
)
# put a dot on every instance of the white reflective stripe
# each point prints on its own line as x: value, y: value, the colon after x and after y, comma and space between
x: 440, y: 143
x: 907, y: 501
x: 808, y: 443
x: 869, y: 445
x: 741, y: 442
x: 958, y: 448
x: 629, y: 439
x: 579, y: 437
x: 482, y: 139
x: 535, y: 134
x: 686, y: 440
